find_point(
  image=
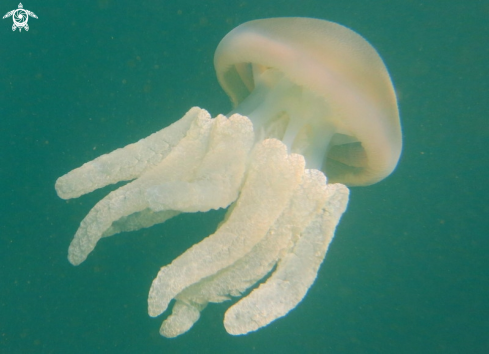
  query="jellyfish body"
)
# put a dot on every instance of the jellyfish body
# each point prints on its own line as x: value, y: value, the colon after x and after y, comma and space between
x: 314, y: 109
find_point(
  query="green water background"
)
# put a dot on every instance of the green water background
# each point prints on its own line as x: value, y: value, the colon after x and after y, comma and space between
x: 408, y: 269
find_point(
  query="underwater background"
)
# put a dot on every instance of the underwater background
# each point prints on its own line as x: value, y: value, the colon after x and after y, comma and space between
x: 408, y: 271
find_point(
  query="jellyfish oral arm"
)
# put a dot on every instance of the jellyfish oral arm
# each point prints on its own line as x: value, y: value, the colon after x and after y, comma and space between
x: 278, y: 229
x: 195, y: 174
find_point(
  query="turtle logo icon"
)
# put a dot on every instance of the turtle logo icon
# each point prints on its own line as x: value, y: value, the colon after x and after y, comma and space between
x: 20, y: 17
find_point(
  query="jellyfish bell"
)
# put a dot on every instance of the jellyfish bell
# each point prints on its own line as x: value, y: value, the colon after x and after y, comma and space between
x: 318, y: 86
x: 314, y: 109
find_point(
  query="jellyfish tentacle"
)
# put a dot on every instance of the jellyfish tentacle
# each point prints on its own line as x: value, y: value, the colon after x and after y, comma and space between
x: 217, y: 181
x: 308, y: 198
x: 131, y: 198
x: 126, y: 163
x: 295, y: 272
x: 117, y: 204
x: 183, y: 182
x: 182, y: 318
x: 186, y: 157
x: 272, y: 177
x: 284, y: 217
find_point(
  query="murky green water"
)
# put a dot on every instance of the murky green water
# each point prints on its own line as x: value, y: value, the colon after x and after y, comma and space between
x: 407, y: 271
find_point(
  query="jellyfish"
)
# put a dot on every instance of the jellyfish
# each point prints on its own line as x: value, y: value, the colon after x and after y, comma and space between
x: 314, y: 111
